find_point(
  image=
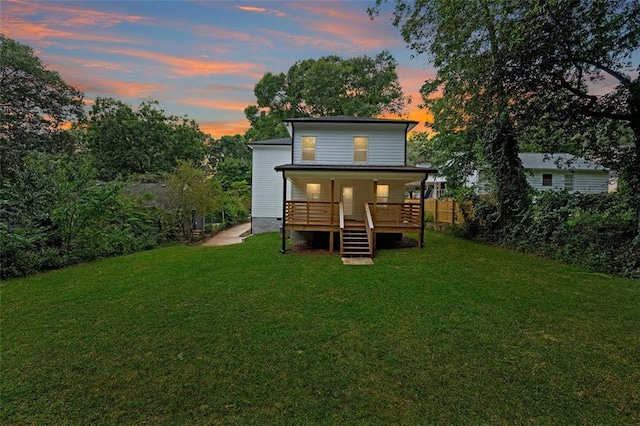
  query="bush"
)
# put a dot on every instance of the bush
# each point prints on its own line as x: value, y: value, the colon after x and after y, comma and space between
x: 55, y: 214
x: 596, y: 231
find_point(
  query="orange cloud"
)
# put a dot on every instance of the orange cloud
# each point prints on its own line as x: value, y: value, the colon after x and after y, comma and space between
x: 215, y: 104
x: 65, y: 62
x: 218, y: 129
x: 118, y: 87
x: 191, y: 67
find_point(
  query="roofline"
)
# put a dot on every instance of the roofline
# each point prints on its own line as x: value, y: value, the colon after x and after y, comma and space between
x: 354, y: 168
x: 265, y: 142
x: 345, y: 119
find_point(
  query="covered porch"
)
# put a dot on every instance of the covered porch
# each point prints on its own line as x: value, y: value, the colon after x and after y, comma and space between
x: 353, y: 204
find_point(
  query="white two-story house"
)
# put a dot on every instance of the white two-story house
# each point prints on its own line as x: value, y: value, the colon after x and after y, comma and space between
x: 339, y: 178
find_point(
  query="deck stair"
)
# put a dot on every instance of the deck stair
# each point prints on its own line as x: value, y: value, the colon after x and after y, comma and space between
x: 355, y: 242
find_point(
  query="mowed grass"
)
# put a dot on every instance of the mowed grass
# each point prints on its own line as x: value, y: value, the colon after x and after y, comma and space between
x: 453, y: 333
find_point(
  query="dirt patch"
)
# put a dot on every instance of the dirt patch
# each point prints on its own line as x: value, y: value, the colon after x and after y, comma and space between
x: 308, y: 249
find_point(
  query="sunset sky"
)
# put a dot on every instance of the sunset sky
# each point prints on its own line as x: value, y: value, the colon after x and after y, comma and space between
x: 200, y: 58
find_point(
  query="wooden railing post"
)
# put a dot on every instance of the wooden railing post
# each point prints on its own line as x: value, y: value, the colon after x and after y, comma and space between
x: 369, y: 226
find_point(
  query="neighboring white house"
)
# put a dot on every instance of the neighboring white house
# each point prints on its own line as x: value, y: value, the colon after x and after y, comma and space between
x: 567, y: 172
x: 337, y: 176
x: 544, y: 172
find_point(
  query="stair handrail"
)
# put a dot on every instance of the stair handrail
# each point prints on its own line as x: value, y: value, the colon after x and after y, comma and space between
x: 368, y: 224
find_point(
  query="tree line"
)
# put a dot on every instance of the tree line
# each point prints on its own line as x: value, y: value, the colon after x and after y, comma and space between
x: 75, y: 186
x: 78, y: 185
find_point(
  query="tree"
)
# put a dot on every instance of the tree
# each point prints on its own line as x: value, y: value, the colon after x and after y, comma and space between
x: 190, y: 194
x: 35, y: 106
x: 227, y: 147
x: 471, y: 43
x: 53, y: 212
x: 359, y: 86
x: 233, y: 170
x: 568, y: 49
x: 126, y: 142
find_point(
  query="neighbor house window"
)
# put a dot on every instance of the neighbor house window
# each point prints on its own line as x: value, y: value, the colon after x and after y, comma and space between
x: 313, y: 191
x: 568, y: 182
x: 547, y: 179
x: 382, y: 193
x: 308, y: 148
x: 360, y: 149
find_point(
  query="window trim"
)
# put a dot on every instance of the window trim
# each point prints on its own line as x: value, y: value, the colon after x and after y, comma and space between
x: 357, y: 150
x: 311, y: 191
x: 382, y: 198
x: 311, y: 151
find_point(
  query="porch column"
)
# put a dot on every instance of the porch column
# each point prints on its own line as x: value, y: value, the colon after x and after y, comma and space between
x: 333, y: 184
x: 375, y: 199
x: 284, y: 213
x: 422, y: 187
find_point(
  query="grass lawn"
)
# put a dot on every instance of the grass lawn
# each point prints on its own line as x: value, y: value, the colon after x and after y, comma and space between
x: 449, y: 334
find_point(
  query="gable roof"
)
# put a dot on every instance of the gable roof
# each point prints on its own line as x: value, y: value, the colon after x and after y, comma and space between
x: 350, y: 119
x: 557, y: 161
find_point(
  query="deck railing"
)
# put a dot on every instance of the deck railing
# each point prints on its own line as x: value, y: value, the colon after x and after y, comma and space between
x: 403, y: 214
x: 326, y: 213
x: 311, y: 212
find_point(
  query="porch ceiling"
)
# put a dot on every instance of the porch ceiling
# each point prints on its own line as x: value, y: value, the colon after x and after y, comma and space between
x: 401, y: 173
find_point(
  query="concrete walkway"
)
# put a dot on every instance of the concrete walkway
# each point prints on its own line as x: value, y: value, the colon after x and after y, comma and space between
x: 233, y: 235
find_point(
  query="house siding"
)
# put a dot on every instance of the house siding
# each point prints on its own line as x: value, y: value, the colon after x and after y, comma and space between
x: 584, y: 182
x: 591, y: 183
x: 334, y: 144
x: 266, y: 204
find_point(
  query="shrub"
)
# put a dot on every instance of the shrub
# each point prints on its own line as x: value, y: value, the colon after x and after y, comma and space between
x: 596, y: 231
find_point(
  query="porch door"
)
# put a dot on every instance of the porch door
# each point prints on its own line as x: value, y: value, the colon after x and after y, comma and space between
x: 347, y: 201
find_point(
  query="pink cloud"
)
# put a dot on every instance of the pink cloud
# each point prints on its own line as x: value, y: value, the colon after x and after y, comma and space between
x: 262, y: 10
x: 311, y: 41
x: 333, y: 13
x: 338, y: 28
x: 17, y: 28
x: 70, y: 16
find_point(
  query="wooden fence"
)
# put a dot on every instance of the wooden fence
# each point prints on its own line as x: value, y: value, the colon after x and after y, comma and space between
x: 444, y: 210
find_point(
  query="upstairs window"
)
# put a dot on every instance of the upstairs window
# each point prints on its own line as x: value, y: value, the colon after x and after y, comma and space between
x: 360, y: 149
x: 314, y: 191
x: 547, y: 179
x: 382, y: 193
x: 309, y: 148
